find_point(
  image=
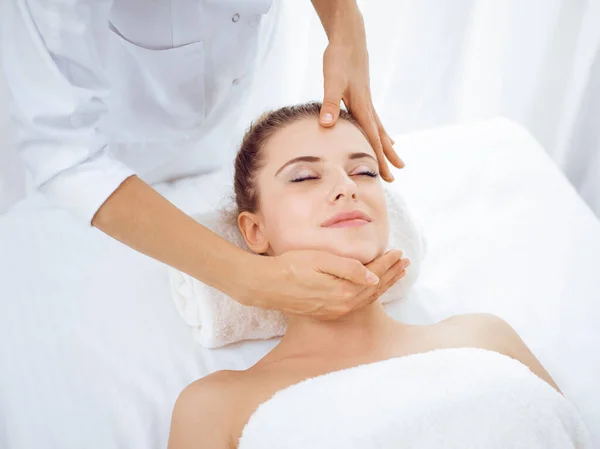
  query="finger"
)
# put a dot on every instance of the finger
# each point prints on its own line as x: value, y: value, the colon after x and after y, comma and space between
x: 390, y: 152
x: 334, y: 90
x: 383, y: 263
x: 393, y: 275
x: 345, y: 268
x: 380, y: 266
x: 388, y: 284
x: 388, y: 143
x: 366, y: 119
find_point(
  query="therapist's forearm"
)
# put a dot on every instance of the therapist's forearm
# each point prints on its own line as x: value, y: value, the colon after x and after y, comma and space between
x: 341, y: 19
x: 138, y: 216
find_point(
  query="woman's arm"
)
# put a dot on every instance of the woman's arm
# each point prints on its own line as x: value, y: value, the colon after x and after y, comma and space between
x: 144, y: 220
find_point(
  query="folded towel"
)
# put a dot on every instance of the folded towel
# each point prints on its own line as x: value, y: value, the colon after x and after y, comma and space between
x: 218, y: 320
x: 444, y: 399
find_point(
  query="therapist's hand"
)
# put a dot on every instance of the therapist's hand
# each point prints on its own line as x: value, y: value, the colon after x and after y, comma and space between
x: 346, y: 76
x: 320, y: 284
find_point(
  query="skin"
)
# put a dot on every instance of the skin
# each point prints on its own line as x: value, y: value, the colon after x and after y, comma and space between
x: 346, y: 77
x: 297, y: 198
x: 312, y: 283
x: 213, y: 411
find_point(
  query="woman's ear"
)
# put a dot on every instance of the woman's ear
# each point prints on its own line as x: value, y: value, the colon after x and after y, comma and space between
x: 252, y: 232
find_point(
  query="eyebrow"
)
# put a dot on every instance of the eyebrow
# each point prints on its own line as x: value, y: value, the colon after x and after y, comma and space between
x: 351, y: 156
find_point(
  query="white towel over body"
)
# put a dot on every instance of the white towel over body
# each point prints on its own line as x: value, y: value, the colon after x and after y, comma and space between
x: 447, y: 398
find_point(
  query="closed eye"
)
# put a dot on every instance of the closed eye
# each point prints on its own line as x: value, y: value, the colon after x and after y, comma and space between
x: 304, y: 178
x: 369, y: 173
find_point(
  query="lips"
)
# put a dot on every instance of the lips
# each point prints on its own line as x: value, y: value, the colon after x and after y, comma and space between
x: 355, y: 218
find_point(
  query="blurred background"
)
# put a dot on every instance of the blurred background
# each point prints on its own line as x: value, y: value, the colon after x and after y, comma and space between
x: 437, y: 63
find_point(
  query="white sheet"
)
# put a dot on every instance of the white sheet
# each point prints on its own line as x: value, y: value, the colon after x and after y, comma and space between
x: 93, y: 353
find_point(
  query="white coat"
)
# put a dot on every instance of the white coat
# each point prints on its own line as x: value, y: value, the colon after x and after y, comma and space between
x: 103, y: 89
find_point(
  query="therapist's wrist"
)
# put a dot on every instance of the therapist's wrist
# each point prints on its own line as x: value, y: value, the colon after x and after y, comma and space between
x: 250, y: 275
x: 342, y: 21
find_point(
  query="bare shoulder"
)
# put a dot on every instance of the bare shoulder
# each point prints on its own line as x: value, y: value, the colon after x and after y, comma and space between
x: 484, y: 329
x: 487, y: 331
x: 202, y: 411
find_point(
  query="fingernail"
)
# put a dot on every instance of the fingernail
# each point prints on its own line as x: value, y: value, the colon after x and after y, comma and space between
x: 372, y: 278
x: 327, y: 118
x: 406, y: 263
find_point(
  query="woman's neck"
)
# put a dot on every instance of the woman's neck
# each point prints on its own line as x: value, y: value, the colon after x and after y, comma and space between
x: 358, y: 332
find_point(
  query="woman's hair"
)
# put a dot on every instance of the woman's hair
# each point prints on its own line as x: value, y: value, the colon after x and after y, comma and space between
x: 249, y: 158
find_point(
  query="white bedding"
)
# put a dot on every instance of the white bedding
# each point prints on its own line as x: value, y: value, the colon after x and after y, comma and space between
x: 465, y: 398
x: 93, y: 352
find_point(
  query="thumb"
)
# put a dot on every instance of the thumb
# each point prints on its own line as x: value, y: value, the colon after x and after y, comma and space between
x: 345, y: 268
x: 330, y: 111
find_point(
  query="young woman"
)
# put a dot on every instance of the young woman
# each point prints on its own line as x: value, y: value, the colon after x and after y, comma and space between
x: 301, y: 186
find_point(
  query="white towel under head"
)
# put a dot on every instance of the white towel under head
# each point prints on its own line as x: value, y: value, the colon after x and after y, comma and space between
x: 443, y: 399
x: 218, y: 320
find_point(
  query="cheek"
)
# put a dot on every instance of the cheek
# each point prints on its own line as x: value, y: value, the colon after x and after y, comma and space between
x: 289, y: 222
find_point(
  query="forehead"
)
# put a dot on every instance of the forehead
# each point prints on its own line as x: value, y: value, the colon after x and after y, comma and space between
x: 306, y: 137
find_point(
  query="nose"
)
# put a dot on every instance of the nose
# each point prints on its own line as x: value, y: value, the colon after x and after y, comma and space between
x: 344, y: 188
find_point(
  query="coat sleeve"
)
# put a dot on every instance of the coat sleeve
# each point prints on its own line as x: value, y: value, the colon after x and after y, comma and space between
x: 54, y: 56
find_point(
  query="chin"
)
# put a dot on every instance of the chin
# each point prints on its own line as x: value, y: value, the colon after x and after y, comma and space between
x: 363, y: 253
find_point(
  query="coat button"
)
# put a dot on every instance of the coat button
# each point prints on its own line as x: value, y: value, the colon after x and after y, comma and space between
x: 235, y: 18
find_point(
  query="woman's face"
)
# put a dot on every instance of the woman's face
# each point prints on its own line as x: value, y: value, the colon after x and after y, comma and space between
x: 319, y: 189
